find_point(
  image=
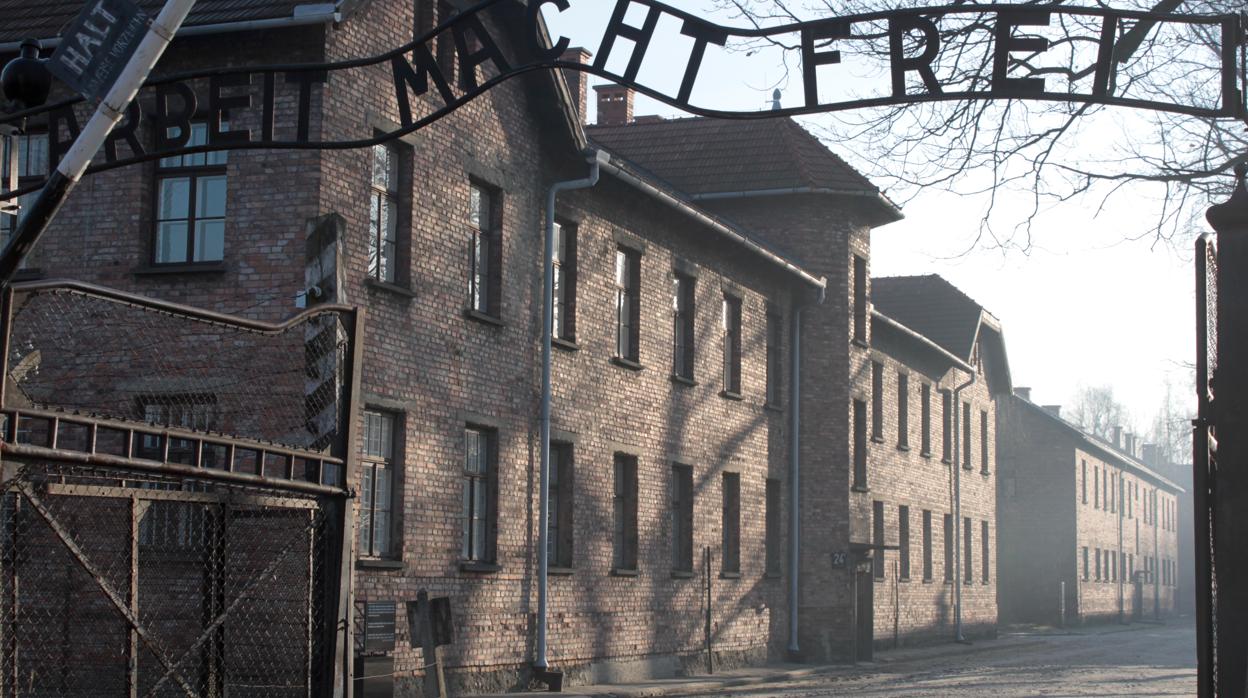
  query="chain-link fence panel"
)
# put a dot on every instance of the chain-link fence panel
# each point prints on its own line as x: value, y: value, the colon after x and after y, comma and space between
x: 103, y: 353
x: 115, y: 583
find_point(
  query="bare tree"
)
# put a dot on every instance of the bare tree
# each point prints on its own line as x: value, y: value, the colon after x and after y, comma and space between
x: 1096, y: 410
x: 1054, y: 152
x: 1171, y: 429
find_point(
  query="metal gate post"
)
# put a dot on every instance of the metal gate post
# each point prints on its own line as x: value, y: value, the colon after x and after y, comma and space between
x: 1230, y: 419
x: 1205, y: 249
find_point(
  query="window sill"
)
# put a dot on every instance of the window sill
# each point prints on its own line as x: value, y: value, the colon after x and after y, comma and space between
x: 376, y: 564
x: 682, y: 574
x: 618, y: 572
x: 772, y: 575
x: 559, y: 571
x: 985, y: 473
x: 860, y: 488
x: 729, y: 395
x: 877, y: 439
x: 968, y: 467
x: 946, y: 461
x: 773, y: 407
x: 860, y: 343
x: 481, y: 567
x: 626, y: 363
x: 903, y: 447
x: 170, y: 269
x: 925, y: 454
x: 483, y: 318
x: 927, y: 581
x: 729, y: 575
x: 565, y: 344
x: 683, y: 380
x: 387, y: 287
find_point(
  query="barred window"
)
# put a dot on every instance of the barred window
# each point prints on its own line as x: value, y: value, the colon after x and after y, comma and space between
x: 627, y: 304
x: 383, y: 214
x: 564, y: 267
x: 732, y: 344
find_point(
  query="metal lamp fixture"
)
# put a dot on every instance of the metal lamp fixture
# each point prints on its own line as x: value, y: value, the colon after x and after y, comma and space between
x: 25, y: 79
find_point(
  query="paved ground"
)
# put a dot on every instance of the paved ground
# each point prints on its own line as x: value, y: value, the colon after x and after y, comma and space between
x: 1145, y: 660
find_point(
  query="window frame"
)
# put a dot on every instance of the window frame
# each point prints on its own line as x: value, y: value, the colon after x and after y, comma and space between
x: 624, y: 515
x: 946, y: 426
x: 860, y: 445
x: 950, y: 543
x: 372, y: 462
x: 193, y: 174
x: 966, y: 436
x: 985, y: 549
x: 877, y: 540
x: 487, y: 480
x: 983, y: 442
x: 682, y: 518
x: 859, y: 333
x: 927, y: 545
x: 9, y: 223
x: 485, y: 247
x: 903, y: 543
x: 903, y: 411
x: 564, y: 277
x: 561, y: 506
x: 877, y: 401
x: 968, y: 561
x: 684, y: 336
x: 627, y: 282
x: 731, y: 319
x: 925, y: 448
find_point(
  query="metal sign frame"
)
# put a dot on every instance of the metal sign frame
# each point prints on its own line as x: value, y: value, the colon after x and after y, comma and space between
x: 415, y: 71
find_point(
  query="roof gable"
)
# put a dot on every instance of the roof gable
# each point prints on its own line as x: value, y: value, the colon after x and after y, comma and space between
x: 932, y: 307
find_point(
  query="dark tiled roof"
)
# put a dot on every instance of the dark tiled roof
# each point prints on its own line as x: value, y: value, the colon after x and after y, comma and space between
x: 702, y: 156
x: 43, y: 19
x: 932, y: 307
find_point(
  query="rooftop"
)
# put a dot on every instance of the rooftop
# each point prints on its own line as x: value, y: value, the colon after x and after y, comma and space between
x: 934, y: 308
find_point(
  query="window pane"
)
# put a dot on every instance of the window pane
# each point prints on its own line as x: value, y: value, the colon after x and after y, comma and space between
x: 175, y: 197
x: 366, y: 511
x: 479, y: 208
x: 382, y: 167
x: 210, y: 241
x: 171, y: 242
x: 474, y: 464
x: 210, y: 197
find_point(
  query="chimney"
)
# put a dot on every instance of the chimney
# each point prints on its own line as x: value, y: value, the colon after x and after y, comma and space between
x: 1130, y: 446
x: 1117, y: 436
x: 577, y: 80
x: 1055, y: 410
x: 1024, y: 393
x: 1150, y: 455
x: 615, y: 105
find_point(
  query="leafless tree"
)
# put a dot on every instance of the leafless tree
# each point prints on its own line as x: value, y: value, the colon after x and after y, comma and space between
x: 1054, y: 152
x: 1171, y: 430
x: 1096, y: 410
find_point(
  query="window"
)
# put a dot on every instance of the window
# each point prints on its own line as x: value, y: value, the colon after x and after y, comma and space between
x: 190, y: 205
x: 860, y: 445
x: 1098, y: 564
x: 1111, y: 561
x: 1130, y: 565
x: 967, y: 551
x: 682, y: 518
x: 1085, y: 563
x: 903, y: 410
x: 877, y: 401
x: 946, y: 426
x: 683, y: 288
x: 560, y: 523
x: 627, y: 304
x: 383, y: 215
x: 775, y: 358
x: 903, y: 542
x: 731, y: 485
x: 927, y: 545
x: 625, y: 513
x: 377, y: 485
x: 480, y: 476
x: 860, y: 299
x: 925, y: 423
x: 1083, y: 482
x: 1096, y: 487
x: 32, y: 165
x: 877, y: 539
x: 774, y: 553
x: 1110, y: 484
x: 197, y: 412
x: 966, y: 435
x: 983, y: 442
x: 732, y: 345
x: 950, y: 542
x: 984, y: 561
x: 485, y: 253
x: 564, y: 298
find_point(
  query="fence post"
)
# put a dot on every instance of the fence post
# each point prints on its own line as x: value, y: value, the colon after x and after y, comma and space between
x: 1230, y: 420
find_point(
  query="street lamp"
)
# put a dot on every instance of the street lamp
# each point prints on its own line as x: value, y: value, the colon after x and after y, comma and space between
x: 25, y: 79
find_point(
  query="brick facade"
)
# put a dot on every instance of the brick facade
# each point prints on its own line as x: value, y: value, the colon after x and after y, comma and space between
x: 1054, y: 505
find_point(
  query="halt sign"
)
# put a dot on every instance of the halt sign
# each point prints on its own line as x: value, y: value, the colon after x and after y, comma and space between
x: 97, y: 45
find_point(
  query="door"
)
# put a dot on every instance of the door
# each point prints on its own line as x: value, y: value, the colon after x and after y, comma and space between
x: 864, y: 615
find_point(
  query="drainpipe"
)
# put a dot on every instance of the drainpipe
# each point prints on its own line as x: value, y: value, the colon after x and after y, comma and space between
x: 959, y: 535
x: 1122, y: 568
x: 596, y: 159
x: 795, y: 467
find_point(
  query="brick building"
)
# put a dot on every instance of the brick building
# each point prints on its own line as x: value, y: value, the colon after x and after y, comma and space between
x: 1084, y: 516
x: 683, y: 278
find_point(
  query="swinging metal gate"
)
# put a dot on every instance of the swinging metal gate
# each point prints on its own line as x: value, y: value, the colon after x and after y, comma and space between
x: 174, y: 515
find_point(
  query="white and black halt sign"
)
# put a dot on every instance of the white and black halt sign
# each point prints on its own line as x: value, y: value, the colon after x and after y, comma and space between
x: 97, y: 45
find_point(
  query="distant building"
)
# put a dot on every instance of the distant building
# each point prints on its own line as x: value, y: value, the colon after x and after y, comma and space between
x: 1083, y: 512
x: 938, y: 367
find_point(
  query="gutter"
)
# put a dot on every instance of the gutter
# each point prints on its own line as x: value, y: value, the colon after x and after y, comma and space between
x: 304, y: 15
x: 683, y: 207
x: 877, y: 197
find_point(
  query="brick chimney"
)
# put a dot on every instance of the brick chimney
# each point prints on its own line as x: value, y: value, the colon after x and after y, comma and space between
x: 1117, y: 436
x: 1150, y: 455
x: 1130, y: 444
x: 577, y: 80
x: 1055, y: 410
x: 1024, y: 393
x: 615, y: 105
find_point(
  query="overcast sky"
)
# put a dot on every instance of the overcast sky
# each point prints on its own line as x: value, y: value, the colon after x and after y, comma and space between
x: 1085, y: 305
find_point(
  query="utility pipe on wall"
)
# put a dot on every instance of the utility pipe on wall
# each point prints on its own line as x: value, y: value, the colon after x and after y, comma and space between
x: 596, y: 159
x: 959, y: 536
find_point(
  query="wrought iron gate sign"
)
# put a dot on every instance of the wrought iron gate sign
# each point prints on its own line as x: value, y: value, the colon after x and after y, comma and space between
x: 927, y: 54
